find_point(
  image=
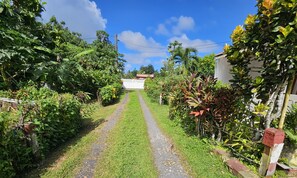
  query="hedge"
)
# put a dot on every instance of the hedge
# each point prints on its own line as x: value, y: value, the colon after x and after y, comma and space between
x: 55, y: 119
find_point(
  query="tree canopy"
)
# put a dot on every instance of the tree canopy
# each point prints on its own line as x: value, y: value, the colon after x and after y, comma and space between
x: 52, y: 54
x: 269, y: 37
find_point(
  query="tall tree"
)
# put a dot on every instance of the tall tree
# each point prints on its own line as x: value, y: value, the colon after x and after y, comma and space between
x: 149, y: 69
x: 23, y: 42
x: 270, y: 38
x: 182, y: 56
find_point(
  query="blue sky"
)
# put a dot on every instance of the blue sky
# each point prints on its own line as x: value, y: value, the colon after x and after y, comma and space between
x: 146, y: 27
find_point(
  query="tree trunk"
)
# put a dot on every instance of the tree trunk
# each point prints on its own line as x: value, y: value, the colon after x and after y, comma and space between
x: 286, y: 101
x: 271, y: 103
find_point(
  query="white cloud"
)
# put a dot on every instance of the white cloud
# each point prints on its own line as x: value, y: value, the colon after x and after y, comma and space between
x: 148, y: 47
x: 162, y: 30
x: 145, y: 49
x: 81, y: 16
x: 176, y: 26
x: 183, y: 24
x: 203, y: 46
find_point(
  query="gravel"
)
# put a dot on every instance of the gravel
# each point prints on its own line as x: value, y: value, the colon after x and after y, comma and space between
x: 90, y: 161
x: 166, y: 160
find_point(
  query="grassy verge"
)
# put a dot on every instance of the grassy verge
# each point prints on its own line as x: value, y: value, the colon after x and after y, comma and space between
x: 128, y: 153
x: 195, y: 154
x: 68, y: 158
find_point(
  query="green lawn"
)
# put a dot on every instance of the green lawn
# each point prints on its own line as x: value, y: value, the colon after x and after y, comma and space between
x: 196, y: 155
x: 67, y: 159
x: 128, y: 153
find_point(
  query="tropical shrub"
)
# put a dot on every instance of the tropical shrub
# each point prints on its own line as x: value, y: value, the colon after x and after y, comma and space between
x: 110, y: 93
x: 211, y: 106
x: 55, y: 118
x: 153, y: 89
x: 242, y: 134
x: 207, y: 108
x: 269, y: 39
x: 15, y: 154
x: 179, y: 109
x: 291, y: 125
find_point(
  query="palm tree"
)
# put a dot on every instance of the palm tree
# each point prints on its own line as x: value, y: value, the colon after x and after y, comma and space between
x: 183, y: 56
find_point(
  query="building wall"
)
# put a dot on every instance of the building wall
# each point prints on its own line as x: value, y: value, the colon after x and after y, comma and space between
x: 222, y: 69
x: 133, y: 84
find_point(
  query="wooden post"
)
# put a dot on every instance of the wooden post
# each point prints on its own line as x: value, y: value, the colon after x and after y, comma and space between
x: 274, y: 141
x: 286, y: 101
x: 161, y: 99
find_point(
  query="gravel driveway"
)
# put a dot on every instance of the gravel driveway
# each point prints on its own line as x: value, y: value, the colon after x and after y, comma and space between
x: 90, y: 161
x: 166, y: 160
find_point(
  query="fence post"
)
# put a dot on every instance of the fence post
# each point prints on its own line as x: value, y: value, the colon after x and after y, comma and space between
x: 273, y: 141
x: 161, y: 99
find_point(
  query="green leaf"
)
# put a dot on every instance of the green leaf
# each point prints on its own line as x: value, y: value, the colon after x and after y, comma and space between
x: 279, y: 39
x: 1, y: 10
x: 84, y: 53
x: 286, y: 31
x: 276, y: 29
x: 40, y: 48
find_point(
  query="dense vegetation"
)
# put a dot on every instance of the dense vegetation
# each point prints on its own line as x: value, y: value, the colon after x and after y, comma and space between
x: 236, y: 115
x: 50, y: 54
x: 39, y: 63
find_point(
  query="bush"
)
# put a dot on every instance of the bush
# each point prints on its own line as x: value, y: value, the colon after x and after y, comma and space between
x: 110, y: 93
x: 55, y: 117
x: 153, y: 89
x: 291, y: 125
x: 163, y: 86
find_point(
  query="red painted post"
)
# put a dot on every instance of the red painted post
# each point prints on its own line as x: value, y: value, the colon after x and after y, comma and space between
x: 274, y: 141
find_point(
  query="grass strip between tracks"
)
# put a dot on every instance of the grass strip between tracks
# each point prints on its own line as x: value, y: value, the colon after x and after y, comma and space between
x: 128, y: 152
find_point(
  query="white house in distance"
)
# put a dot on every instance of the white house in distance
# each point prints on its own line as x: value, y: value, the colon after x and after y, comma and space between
x: 223, y: 73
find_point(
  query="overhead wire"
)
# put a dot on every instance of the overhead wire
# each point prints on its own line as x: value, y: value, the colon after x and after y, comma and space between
x: 214, y: 44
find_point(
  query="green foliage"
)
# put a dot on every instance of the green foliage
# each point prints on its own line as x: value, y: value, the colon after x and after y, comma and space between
x: 268, y: 38
x: 179, y: 110
x: 152, y: 89
x: 210, y: 106
x: 55, y: 117
x: 291, y: 125
x: 47, y: 55
x: 187, y: 62
x: 110, y: 93
x: 51, y: 54
x: 15, y: 155
x: 161, y: 86
x: 182, y: 56
x: 149, y: 69
x: 204, y: 66
x: 82, y: 67
x: 5, y: 94
x: 24, y: 45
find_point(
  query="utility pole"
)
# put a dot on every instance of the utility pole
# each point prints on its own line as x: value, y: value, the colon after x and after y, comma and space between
x: 116, y: 48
